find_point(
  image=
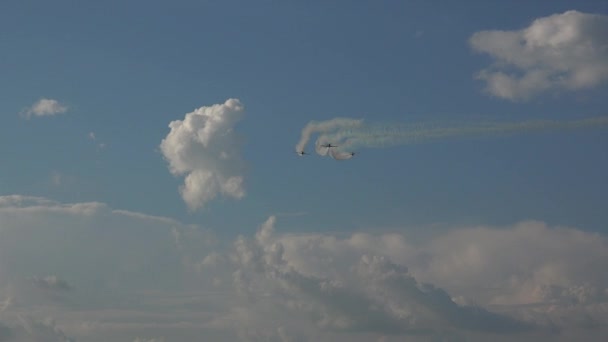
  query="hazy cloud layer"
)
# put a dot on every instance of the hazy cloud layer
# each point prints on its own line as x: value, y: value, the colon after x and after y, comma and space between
x: 51, y: 283
x: 567, y: 51
x: 44, y: 107
x: 88, y: 272
x: 28, y: 329
x: 204, y: 147
x: 57, y: 246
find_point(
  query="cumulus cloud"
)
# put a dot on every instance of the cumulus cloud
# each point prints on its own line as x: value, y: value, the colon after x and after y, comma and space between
x: 516, y: 266
x: 204, y: 147
x: 380, y: 296
x: 44, y: 107
x: 148, y: 277
x: 484, y: 279
x: 567, y: 51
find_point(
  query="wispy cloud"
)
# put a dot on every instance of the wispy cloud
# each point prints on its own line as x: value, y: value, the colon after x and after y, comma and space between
x: 56, y: 178
x: 564, y: 51
x: 44, y: 107
x: 93, y: 137
x: 51, y: 283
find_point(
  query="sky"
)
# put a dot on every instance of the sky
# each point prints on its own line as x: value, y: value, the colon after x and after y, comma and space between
x: 150, y: 188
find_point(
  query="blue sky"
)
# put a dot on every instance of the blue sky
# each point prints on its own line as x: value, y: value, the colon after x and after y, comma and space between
x: 124, y: 70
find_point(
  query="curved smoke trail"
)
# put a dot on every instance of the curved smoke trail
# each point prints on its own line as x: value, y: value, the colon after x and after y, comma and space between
x: 340, y: 155
x: 324, y: 127
x: 351, y: 134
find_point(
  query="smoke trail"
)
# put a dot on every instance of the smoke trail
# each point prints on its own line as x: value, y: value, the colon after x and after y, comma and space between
x: 384, y: 136
x: 340, y: 155
x: 349, y: 137
x: 324, y: 127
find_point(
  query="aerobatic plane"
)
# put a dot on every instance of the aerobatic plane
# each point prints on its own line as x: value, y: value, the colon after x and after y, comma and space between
x: 341, y: 155
x: 301, y: 153
x: 329, y: 145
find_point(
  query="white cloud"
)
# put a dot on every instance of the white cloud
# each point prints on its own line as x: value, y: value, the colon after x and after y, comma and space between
x: 542, y: 277
x: 93, y: 137
x: 566, y: 51
x: 106, y: 275
x: 44, y: 107
x: 204, y: 148
x: 516, y: 266
x: 74, y: 262
x: 351, y: 290
x: 128, y: 249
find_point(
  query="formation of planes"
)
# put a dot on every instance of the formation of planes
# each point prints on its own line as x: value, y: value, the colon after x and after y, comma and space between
x: 328, y: 146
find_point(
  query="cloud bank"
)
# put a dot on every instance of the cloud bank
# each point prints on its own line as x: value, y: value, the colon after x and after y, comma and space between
x: 204, y: 147
x: 87, y: 272
x: 44, y: 107
x: 561, y: 52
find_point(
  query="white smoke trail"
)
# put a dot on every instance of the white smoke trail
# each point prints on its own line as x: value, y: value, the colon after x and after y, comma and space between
x: 324, y: 127
x: 354, y: 136
x: 339, y: 155
x: 384, y: 136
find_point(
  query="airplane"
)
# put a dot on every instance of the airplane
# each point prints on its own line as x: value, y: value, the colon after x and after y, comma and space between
x: 341, y: 155
x: 301, y: 153
x: 329, y: 145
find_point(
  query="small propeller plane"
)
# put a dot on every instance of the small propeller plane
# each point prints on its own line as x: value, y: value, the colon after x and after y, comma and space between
x: 301, y: 153
x: 329, y: 145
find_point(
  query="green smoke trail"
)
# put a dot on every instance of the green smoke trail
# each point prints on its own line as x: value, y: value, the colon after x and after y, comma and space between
x: 385, y: 135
